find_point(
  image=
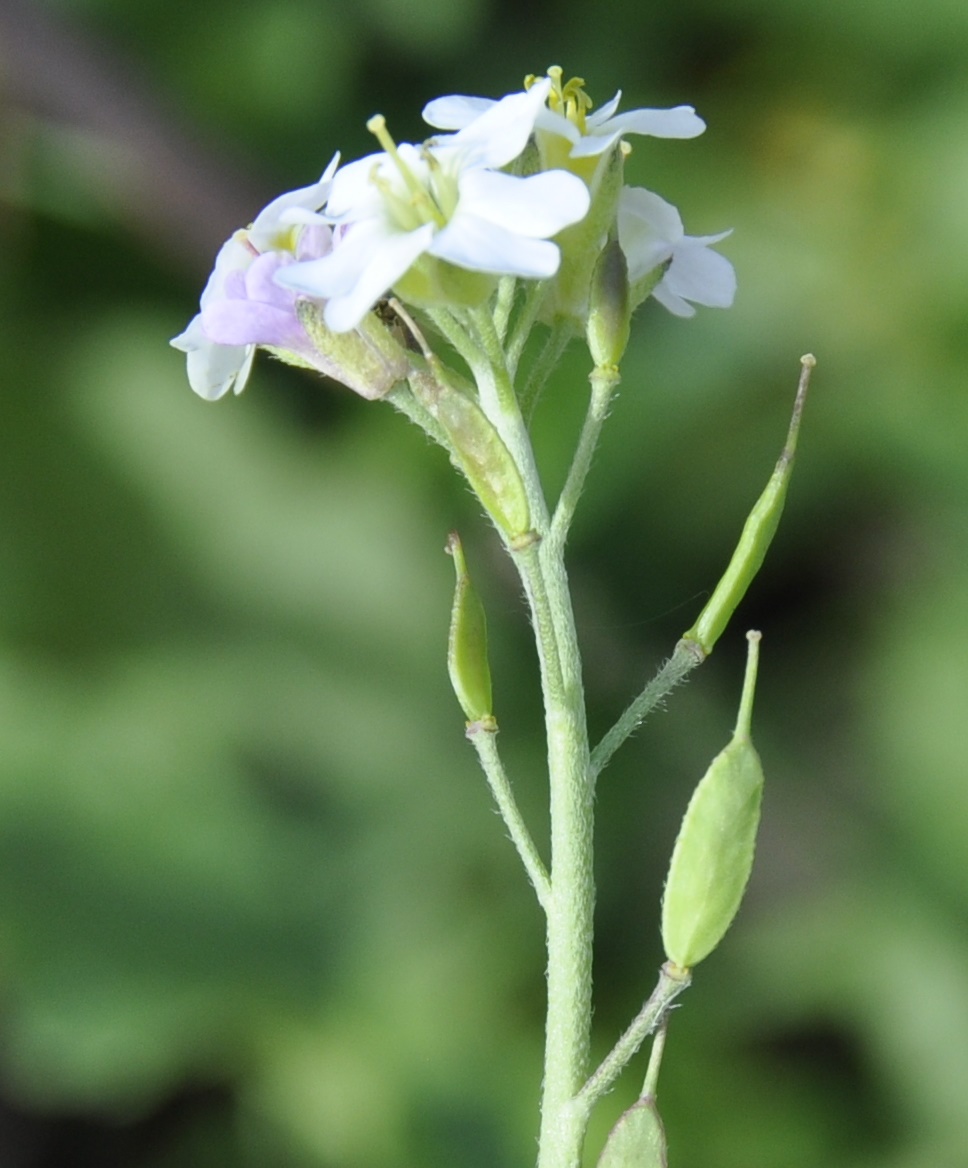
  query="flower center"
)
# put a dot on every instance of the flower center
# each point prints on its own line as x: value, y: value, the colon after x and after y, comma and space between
x: 568, y: 99
x: 419, y: 202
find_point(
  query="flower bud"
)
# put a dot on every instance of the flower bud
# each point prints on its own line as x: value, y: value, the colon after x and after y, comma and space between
x: 713, y: 856
x: 609, y: 313
x: 637, y: 1140
x: 757, y: 535
x: 470, y: 674
x: 479, y: 451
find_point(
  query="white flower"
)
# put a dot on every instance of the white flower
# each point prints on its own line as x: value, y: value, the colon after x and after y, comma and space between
x: 650, y: 232
x: 399, y: 211
x: 236, y: 300
x: 587, y: 134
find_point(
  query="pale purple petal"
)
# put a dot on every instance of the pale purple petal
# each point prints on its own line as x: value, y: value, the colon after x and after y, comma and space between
x: 249, y: 322
x: 481, y: 246
x: 260, y: 283
x: 538, y: 206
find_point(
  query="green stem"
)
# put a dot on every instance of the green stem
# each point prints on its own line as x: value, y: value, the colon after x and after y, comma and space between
x: 555, y: 344
x: 672, y: 981
x: 651, y: 1083
x: 603, y: 383
x: 683, y: 661
x: 503, y: 304
x: 401, y: 398
x: 570, y: 916
x: 485, y: 743
x: 524, y: 323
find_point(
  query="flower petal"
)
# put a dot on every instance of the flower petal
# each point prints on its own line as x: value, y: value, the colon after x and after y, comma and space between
x: 502, y: 131
x: 538, y: 206
x: 345, y: 312
x: 680, y: 122
x: 456, y: 111
x: 249, y: 322
x: 699, y: 274
x: 482, y: 246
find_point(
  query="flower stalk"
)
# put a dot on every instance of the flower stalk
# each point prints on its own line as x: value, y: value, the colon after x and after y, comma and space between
x: 418, y: 275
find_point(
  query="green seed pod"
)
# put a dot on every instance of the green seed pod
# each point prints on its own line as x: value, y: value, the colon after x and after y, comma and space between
x: 757, y: 534
x: 478, y: 450
x: 637, y: 1140
x: 470, y: 674
x: 713, y: 856
x: 609, y: 313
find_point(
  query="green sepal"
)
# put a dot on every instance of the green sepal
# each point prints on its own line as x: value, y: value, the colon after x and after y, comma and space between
x: 369, y: 359
x: 713, y: 854
x: 756, y: 537
x: 467, y: 664
x: 637, y: 1140
x: 580, y: 244
x: 478, y: 451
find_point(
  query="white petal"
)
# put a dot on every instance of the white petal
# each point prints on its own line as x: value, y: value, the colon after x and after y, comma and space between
x: 594, y: 120
x: 594, y: 144
x: 538, y: 206
x: 455, y: 112
x: 649, y: 229
x: 473, y: 243
x: 337, y: 273
x: 548, y: 121
x: 345, y: 312
x: 502, y: 131
x: 680, y: 122
x: 702, y: 275
x: 272, y: 221
x: 353, y: 191
x: 675, y: 304
x: 215, y: 369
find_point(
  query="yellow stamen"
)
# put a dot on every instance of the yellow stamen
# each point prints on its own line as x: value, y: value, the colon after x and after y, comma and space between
x: 420, y: 197
x: 568, y: 99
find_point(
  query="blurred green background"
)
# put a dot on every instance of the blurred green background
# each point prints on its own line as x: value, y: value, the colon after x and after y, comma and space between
x: 255, y: 908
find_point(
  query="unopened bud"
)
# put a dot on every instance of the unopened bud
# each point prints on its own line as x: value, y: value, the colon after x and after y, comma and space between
x: 609, y: 313
x: 713, y: 856
x: 470, y: 674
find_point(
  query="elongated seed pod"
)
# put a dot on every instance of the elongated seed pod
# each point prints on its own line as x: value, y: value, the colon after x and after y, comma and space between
x: 467, y: 664
x: 757, y: 535
x: 713, y: 855
x: 479, y: 451
x: 637, y: 1140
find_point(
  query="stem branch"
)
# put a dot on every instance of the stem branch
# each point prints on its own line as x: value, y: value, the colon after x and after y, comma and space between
x: 485, y: 743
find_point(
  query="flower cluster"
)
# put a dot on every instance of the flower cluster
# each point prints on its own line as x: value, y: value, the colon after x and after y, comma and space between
x: 523, y: 187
